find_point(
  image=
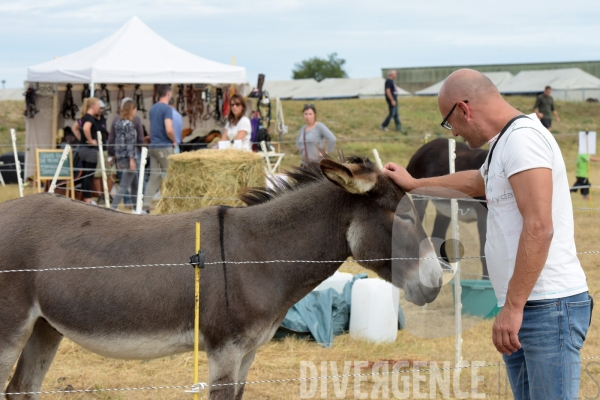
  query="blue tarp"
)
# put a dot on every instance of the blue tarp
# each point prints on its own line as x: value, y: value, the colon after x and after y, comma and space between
x: 324, y: 313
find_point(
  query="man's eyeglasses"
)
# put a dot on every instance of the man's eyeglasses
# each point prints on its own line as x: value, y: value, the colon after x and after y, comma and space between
x: 445, y: 124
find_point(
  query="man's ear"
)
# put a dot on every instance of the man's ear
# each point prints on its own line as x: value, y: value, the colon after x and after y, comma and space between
x: 353, y: 178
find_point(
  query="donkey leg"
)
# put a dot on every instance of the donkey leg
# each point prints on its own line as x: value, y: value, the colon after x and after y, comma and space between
x: 224, y: 367
x: 13, y: 337
x: 35, y: 360
x: 244, y: 368
x: 420, y: 207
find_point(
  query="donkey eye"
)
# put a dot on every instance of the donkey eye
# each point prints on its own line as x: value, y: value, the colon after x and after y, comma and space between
x: 407, y: 217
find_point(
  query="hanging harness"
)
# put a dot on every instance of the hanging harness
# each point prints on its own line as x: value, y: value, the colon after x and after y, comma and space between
x: 120, y: 97
x: 154, y: 95
x: 199, y: 103
x: 264, y: 109
x: 105, y: 97
x: 180, y: 101
x: 207, y: 101
x: 69, y: 109
x: 30, y: 103
x: 138, y: 97
x: 191, y: 105
x: 85, y: 93
x: 219, y: 107
x: 226, y: 105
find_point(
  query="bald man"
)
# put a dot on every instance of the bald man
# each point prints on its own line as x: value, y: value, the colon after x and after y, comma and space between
x: 530, y: 248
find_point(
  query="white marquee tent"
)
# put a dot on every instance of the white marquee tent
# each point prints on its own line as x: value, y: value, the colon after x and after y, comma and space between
x: 345, y: 88
x: 498, y: 78
x: 11, y: 94
x: 135, y: 54
x: 286, y: 89
x: 567, y: 84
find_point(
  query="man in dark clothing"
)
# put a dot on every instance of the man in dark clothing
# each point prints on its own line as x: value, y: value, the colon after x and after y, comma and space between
x: 391, y: 96
x: 544, y: 108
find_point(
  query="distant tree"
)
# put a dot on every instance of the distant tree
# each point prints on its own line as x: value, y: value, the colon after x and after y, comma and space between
x: 320, y: 68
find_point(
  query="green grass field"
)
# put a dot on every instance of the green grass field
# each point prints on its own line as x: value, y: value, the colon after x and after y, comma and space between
x: 355, y: 123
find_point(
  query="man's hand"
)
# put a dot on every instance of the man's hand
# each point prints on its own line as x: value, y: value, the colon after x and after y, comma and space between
x: 540, y: 115
x: 132, y: 163
x: 506, y: 329
x: 399, y: 175
x: 557, y: 118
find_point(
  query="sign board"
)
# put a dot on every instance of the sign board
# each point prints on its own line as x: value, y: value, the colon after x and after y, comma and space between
x: 587, y: 142
x: 47, y: 162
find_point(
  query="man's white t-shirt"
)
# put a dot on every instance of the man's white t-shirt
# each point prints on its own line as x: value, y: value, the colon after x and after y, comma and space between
x: 242, y: 125
x: 525, y: 145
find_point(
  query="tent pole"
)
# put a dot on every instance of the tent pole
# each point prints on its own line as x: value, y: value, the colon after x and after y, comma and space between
x: 92, y: 88
x: 54, y: 118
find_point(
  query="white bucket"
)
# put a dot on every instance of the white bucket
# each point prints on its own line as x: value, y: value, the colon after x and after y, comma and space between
x: 374, y: 314
x: 336, y: 281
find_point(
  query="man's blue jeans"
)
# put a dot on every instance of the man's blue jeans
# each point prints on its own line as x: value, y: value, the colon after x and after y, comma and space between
x: 393, y: 113
x: 548, y: 365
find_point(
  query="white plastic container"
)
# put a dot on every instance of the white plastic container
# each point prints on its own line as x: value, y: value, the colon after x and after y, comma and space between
x: 374, y: 314
x: 336, y: 281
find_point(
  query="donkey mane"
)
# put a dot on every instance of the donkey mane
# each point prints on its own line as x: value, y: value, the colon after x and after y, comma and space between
x: 297, y: 178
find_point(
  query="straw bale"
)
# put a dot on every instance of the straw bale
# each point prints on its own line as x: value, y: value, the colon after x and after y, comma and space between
x: 206, y: 178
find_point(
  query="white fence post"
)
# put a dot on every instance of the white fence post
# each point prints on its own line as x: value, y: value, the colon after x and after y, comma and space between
x: 60, y: 165
x: 455, y: 263
x: 17, y: 162
x: 140, y: 191
x: 102, y: 167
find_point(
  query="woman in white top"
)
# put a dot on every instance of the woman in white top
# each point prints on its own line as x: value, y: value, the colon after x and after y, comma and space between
x: 238, y: 126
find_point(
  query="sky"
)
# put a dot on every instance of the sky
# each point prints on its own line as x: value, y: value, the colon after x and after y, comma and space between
x: 271, y: 36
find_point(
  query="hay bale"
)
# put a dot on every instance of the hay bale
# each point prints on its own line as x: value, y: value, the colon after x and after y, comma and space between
x: 206, y: 178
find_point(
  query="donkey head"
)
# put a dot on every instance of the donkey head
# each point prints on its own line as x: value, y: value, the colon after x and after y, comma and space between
x: 385, y: 225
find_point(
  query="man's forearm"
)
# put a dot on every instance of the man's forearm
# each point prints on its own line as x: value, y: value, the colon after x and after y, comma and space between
x: 171, y: 135
x: 532, y: 253
x: 388, y: 93
x: 467, y: 182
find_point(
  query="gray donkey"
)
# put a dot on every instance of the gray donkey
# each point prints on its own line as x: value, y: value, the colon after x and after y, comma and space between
x: 328, y: 212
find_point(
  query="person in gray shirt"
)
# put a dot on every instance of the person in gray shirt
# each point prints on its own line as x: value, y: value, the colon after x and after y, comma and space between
x: 312, y: 136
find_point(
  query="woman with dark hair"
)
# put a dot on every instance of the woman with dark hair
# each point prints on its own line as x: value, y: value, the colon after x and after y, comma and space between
x: 125, y: 153
x: 88, y: 150
x: 238, y: 126
x: 312, y: 135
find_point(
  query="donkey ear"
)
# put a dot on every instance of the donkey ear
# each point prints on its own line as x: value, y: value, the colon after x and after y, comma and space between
x: 351, y: 177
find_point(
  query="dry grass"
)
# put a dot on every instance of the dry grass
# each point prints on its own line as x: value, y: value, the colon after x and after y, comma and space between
x: 215, y: 175
x: 11, y: 117
x: 81, y: 369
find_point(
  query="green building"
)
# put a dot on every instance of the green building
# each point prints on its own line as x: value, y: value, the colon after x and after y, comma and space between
x: 417, y: 78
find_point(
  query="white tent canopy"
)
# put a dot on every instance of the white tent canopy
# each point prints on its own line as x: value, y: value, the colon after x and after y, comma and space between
x: 498, y: 78
x: 567, y: 83
x: 135, y: 54
x: 287, y: 89
x: 345, y: 88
